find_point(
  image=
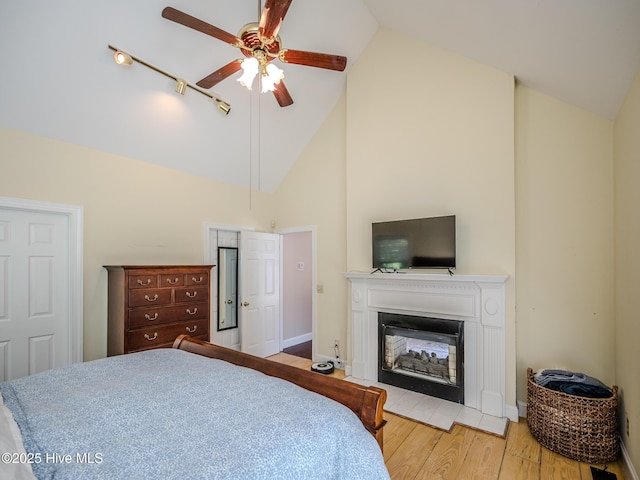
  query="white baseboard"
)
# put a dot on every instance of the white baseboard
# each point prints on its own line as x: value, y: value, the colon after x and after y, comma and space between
x: 629, y: 469
x: 290, y: 342
x: 512, y: 413
x: 522, y: 409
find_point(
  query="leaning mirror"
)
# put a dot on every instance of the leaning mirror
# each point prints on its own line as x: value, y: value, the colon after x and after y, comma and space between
x: 227, y: 288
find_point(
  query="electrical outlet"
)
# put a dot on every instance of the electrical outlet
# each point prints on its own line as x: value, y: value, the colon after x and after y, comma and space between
x: 337, y: 361
x: 627, y: 416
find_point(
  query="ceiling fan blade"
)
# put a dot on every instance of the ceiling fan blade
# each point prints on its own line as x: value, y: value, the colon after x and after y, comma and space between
x: 272, y: 16
x: 187, y: 20
x: 312, y: 59
x: 282, y: 95
x: 220, y: 74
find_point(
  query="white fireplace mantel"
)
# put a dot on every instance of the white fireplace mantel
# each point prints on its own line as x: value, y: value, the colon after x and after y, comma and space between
x: 477, y: 300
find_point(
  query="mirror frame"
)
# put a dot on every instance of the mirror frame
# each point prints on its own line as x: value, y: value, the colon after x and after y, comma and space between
x: 223, y: 269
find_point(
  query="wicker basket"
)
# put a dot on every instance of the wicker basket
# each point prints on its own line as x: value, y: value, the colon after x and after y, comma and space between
x: 581, y: 428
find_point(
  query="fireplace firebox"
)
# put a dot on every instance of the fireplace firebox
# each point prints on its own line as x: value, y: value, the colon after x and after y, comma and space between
x: 422, y: 354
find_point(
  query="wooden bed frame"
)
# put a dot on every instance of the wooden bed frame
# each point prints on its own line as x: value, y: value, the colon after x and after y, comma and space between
x: 365, y: 402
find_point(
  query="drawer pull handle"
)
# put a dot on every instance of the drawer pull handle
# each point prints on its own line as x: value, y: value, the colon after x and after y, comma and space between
x: 195, y: 310
x: 197, y: 280
x: 192, y: 295
x: 192, y: 330
x: 144, y: 284
x: 155, y: 297
x: 172, y: 282
x: 155, y: 335
x: 151, y: 319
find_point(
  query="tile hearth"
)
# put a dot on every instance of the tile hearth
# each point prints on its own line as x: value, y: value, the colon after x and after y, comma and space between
x: 422, y: 408
x: 436, y: 412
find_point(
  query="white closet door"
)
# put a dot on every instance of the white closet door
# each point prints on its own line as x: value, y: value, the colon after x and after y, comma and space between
x: 34, y: 292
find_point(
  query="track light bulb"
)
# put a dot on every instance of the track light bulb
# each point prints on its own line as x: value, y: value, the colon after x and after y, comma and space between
x: 122, y: 58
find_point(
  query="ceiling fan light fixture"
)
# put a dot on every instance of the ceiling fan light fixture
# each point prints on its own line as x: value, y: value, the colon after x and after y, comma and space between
x: 181, y: 86
x: 250, y: 67
x: 271, y: 78
x: 122, y: 58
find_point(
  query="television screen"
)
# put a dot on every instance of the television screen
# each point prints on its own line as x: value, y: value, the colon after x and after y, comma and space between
x: 416, y: 243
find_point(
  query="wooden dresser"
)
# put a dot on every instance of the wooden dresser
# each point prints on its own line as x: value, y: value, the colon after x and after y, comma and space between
x: 149, y: 306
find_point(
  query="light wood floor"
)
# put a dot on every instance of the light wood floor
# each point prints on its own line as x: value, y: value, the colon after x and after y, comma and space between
x: 415, y: 451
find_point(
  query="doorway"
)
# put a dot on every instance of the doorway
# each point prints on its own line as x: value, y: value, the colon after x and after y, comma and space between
x: 298, y: 291
x: 228, y: 235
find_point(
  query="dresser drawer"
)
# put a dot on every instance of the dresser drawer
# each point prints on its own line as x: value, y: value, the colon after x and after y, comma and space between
x: 143, y: 281
x: 198, y: 278
x: 172, y: 280
x: 191, y: 294
x: 148, y: 297
x: 148, y: 317
x: 153, y: 336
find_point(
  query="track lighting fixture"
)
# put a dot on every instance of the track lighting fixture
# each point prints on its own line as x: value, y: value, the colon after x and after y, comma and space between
x: 123, y: 58
x: 181, y: 86
x: 223, y: 106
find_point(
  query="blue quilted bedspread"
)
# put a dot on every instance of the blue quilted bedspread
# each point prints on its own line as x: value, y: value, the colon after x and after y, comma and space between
x: 169, y: 414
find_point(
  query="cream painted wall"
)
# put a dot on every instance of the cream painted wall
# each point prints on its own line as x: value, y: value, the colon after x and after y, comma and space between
x: 565, y: 291
x: 313, y: 193
x: 627, y: 282
x: 134, y: 212
x: 296, y: 294
x: 443, y: 144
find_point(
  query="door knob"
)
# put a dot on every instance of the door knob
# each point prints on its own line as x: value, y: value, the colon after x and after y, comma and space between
x: 229, y: 302
x: 245, y: 304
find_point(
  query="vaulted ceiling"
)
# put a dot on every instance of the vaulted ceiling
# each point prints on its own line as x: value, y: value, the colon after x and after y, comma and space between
x: 61, y: 81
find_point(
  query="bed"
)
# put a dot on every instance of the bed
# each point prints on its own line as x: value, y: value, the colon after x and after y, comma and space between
x: 192, y: 411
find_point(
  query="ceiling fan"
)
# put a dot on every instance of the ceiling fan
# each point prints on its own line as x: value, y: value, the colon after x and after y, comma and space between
x: 260, y: 44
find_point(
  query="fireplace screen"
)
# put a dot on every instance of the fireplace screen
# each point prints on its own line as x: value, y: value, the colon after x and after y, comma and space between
x: 422, y: 354
x: 433, y: 359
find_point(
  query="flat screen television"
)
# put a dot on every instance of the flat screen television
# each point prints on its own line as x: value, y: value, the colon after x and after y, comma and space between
x: 416, y: 243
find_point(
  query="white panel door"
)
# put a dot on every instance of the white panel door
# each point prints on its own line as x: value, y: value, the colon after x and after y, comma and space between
x: 260, y: 293
x: 34, y: 292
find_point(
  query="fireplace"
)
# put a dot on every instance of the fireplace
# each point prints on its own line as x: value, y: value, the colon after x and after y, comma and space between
x: 479, y: 301
x: 422, y: 354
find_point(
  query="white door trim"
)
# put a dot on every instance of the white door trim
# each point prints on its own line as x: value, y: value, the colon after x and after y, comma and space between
x: 75, y: 216
x: 314, y: 276
x: 209, y: 228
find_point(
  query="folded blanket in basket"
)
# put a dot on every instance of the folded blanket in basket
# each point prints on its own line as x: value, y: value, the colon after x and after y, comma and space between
x: 572, y: 383
x: 580, y: 389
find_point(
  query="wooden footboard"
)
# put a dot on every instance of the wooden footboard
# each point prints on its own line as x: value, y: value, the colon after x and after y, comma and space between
x: 365, y: 402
